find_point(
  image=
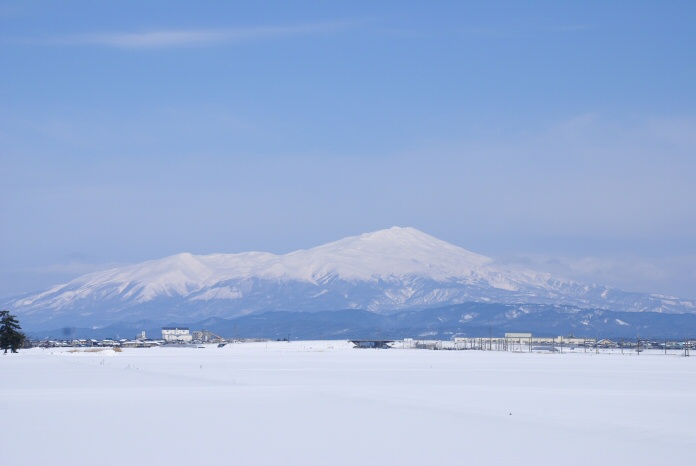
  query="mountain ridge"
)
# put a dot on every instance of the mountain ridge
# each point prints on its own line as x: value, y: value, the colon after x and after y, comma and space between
x: 383, y: 271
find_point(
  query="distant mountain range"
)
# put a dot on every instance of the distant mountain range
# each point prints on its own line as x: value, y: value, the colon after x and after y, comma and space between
x: 470, y: 319
x: 383, y: 272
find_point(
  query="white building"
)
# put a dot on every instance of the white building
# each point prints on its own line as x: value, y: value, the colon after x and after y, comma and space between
x: 176, y: 334
x: 519, y: 337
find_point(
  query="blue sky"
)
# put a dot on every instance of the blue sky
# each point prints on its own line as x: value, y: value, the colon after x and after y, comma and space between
x: 557, y: 135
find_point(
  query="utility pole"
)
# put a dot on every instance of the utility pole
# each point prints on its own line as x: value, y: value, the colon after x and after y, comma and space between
x: 687, y: 347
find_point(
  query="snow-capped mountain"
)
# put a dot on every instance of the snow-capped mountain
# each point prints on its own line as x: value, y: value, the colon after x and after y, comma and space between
x: 384, y: 271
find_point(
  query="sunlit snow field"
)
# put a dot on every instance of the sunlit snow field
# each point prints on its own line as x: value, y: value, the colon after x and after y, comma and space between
x: 325, y: 403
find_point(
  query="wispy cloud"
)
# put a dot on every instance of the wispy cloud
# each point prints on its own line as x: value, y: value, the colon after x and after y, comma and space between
x: 667, y: 275
x: 69, y: 270
x: 198, y: 37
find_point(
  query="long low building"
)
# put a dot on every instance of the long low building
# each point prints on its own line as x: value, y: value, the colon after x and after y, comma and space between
x: 523, y: 339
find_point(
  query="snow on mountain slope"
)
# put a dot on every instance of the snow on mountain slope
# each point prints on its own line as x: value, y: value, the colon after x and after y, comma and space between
x: 396, y: 252
x: 387, y: 270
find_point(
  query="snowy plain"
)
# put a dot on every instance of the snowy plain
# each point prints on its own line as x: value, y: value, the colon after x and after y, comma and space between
x: 325, y: 403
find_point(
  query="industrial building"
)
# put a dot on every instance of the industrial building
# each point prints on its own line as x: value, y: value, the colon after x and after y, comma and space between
x: 176, y: 334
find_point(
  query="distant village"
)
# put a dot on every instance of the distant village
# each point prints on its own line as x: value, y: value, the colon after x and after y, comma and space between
x: 518, y: 342
x: 170, y: 336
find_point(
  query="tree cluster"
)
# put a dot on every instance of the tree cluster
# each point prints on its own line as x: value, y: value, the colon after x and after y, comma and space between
x: 10, y: 336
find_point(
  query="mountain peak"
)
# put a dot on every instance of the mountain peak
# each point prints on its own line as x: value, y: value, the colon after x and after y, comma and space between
x: 404, y: 236
x: 395, y: 251
x: 396, y: 232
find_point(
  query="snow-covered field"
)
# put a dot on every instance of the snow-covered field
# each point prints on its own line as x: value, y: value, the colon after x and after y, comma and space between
x: 325, y: 403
